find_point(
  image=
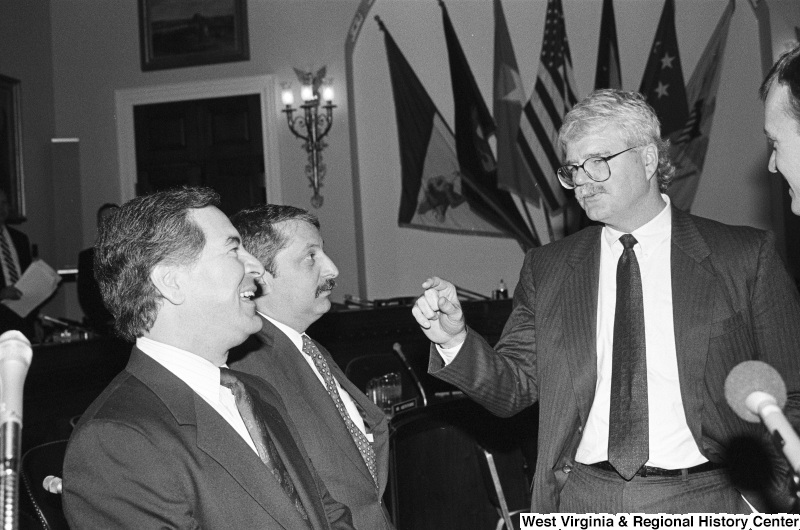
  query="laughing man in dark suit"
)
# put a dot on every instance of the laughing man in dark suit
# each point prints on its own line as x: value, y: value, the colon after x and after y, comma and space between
x: 709, y: 297
x: 165, y: 445
x: 297, y: 283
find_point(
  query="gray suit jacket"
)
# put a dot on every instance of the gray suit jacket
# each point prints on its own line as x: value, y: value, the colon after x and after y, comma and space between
x: 322, y: 430
x: 151, y: 453
x: 732, y: 301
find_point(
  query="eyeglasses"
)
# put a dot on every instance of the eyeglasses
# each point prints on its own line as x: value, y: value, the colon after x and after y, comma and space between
x: 596, y: 168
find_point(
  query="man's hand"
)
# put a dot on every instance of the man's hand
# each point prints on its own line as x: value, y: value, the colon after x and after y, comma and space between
x: 10, y: 293
x: 438, y: 312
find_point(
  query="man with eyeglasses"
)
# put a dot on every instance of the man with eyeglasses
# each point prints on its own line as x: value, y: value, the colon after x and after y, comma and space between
x: 625, y: 333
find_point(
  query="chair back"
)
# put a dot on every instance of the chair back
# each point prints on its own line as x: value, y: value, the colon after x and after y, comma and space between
x: 437, y: 477
x: 37, y: 464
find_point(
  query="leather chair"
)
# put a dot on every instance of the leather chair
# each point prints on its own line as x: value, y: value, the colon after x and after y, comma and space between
x: 38, y: 463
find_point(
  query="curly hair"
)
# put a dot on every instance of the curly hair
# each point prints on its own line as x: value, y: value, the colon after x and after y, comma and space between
x: 630, y: 113
x: 136, y: 237
x: 257, y: 227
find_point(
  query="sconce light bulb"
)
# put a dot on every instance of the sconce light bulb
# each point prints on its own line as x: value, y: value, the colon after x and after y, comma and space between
x: 327, y: 94
x: 306, y: 93
x: 287, y: 97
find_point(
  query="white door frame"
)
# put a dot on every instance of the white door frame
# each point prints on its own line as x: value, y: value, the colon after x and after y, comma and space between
x: 263, y: 85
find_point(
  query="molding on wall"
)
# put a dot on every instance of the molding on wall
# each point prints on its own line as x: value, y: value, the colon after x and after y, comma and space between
x: 264, y: 85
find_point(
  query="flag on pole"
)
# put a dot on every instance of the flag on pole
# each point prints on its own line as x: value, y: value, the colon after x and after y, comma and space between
x: 662, y: 83
x: 432, y: 196
x: 608, y: 73
x: 553, y: 96
x: 513, y: 173
x: 474, y: 126
x: 690, y: 143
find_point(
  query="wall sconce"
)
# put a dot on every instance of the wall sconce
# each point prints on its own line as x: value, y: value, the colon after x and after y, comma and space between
x: 313, y: 124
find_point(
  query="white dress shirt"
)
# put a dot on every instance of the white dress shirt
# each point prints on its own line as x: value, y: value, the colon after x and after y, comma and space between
x: 671, y: 443
x: 347, y: 400
x: 202, y: 377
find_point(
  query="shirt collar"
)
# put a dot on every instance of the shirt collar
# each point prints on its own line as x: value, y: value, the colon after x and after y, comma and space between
x: 650, y: 234
x: 294, y: 336
x: 201, y: 375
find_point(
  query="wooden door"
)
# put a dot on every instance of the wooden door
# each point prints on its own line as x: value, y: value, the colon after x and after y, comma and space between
x: 210, y: 142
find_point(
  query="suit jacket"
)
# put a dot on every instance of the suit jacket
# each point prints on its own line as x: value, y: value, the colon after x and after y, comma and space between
x: 322, y: 430
x: 732, y: 301
x: 151, y: 453
x: 9, y: 319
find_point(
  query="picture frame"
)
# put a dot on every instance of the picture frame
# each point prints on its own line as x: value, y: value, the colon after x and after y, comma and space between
x: 177, y: 33
x: 11, y: 173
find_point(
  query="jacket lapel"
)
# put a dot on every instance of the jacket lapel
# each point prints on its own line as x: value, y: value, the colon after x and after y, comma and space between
x: 579, y: 317
x: 692, y: 296
x: 214, y: 436
x: 310, y: 390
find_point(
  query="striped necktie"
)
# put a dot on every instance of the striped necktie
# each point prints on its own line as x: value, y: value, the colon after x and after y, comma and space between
x: 364, y: 447
x: 8, y: 259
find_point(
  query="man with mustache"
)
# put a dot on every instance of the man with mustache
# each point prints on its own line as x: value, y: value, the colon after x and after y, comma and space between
x: 177, y: 440
x: 344, y: 433
x: 625, y: 333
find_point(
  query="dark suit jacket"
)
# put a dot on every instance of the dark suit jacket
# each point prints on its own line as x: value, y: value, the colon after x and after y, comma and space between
x: 732, y: 301
x: 9, y: 319
x: 322, y: 430
x: 151, y: 453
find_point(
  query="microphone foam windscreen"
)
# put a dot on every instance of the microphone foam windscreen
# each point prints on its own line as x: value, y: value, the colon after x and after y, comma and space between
x: 749, y: 377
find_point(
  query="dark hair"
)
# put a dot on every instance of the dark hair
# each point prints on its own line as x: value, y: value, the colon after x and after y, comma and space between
x: 785, y: 71
x: 260, y: 235
x: 135, y: 238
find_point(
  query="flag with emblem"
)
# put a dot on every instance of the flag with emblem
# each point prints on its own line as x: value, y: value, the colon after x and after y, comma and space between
x: 662, y: 83
x: 608, y: 73
x: 432, y: 196
x: 474, y: 126
x: 690, y: 143
x: 553, y: 96
x: 513, y: 173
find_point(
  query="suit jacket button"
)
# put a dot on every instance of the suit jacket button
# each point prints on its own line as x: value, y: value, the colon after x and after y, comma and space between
x: 567, y: 468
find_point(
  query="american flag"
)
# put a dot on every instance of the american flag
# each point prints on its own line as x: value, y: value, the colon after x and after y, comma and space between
x: 552, y: 97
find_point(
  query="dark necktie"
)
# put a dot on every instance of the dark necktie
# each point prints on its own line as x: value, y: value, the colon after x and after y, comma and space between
x: 249, y: 409
x: 364, y: 447
x: 8, y: 259
x: 628, y: 436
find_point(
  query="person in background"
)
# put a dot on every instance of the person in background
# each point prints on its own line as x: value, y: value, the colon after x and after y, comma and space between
x: 15, y: 257
x: 344, y: 433
x: 178, y: 440
x: 96, y: 316
x: 625, y: 334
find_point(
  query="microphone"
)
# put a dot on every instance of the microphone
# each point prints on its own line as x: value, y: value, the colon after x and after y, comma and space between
x: 15, y: 359
x: 755, y: 391
x: 399, y: 351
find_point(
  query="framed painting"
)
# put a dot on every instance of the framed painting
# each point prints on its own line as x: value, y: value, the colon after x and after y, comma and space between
x: 11, y: 177
x: 179, y: 33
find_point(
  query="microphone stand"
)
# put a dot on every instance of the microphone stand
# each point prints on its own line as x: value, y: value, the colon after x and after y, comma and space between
x: 399, y: 351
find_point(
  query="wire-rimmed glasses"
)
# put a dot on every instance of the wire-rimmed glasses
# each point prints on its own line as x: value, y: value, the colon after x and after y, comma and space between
x: 596, y: 168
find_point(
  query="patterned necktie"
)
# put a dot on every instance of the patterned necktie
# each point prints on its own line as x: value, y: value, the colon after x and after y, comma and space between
x: 8, y: 259
x: 249, y: 409
x: 364, y: 447
x: 628, y: 434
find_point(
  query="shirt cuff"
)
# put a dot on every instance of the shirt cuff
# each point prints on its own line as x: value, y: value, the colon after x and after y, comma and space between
x: 448, y: 355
